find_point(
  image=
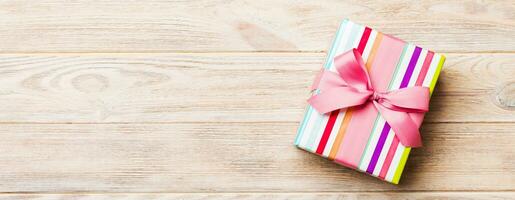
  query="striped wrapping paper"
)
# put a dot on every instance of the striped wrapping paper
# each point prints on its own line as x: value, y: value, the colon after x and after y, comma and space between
x: 357, y: 141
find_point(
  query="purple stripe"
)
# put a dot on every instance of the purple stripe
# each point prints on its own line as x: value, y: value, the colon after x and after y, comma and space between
x: 386, y: 128
x: 378, y: 149
x: 411, y: 67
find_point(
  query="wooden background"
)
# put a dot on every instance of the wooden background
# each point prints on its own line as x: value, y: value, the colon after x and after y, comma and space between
x: 201, y: 99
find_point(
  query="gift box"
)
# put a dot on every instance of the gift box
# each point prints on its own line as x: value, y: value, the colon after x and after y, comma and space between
x: 359, y: 137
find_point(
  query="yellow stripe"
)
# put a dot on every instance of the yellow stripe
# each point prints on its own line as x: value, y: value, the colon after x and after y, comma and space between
x: 407, y: 150
x: 402, y: 163
x: 437, y: 73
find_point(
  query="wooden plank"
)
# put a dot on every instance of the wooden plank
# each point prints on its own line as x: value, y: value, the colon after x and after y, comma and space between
x: 268, y: 25
x: 237, y: 157
x: 212, y: 87
x: 272, y: 196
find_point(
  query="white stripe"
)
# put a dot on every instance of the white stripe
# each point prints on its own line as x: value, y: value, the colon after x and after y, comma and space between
x: 341, y: 47
x: 308, y: 131
x: 370, y: 44
x: 348, y: 45
x: 384, y: 151
x: 418, y: 67
x: 357, y: 39
x: 320, y: 132
x: 315, y: 116
x: 403, y: 67
x: 432, y: 70
x: 395, y: 163
x: 400, y: 149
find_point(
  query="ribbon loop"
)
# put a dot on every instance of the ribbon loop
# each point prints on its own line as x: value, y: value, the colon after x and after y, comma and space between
x: 351, y: 87
x: 351, y: 68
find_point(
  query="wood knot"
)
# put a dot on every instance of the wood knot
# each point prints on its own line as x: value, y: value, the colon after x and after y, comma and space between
x: 90, y: 83
x: 505, y: 96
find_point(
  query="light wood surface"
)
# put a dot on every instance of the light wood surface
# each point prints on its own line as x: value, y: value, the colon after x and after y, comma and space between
x: 236, y: 157
x: 202, y: 99
x: 260, y: 196
x: 265, y: 25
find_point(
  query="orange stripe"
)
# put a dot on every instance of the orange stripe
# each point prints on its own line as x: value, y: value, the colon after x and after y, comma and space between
x: 341, y: 133
x: 373, y: 53
x: 348, y: 114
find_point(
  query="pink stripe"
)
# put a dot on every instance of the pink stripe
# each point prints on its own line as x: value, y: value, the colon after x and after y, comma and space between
x: 362, y: 121
x: 425, y: 68
x: 389, y: 157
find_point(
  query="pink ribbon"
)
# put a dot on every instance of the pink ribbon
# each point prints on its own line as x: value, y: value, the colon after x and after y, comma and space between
x: 403, y: 109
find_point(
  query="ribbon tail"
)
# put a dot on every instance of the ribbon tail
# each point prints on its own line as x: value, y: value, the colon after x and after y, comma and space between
x: 403, y: 125
x: 417, y: 118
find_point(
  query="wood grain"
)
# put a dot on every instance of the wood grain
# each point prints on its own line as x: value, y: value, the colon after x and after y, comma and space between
x: 236, y: 157
x: 213, y: 87
x: 272, y: 196
x: 268, y: 25
x: 171, y: 99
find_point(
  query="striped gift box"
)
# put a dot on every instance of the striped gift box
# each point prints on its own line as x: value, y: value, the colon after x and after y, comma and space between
x: 360, y: 142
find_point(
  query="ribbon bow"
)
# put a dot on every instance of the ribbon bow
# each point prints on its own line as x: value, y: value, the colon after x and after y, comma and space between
x: 403, y: 109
